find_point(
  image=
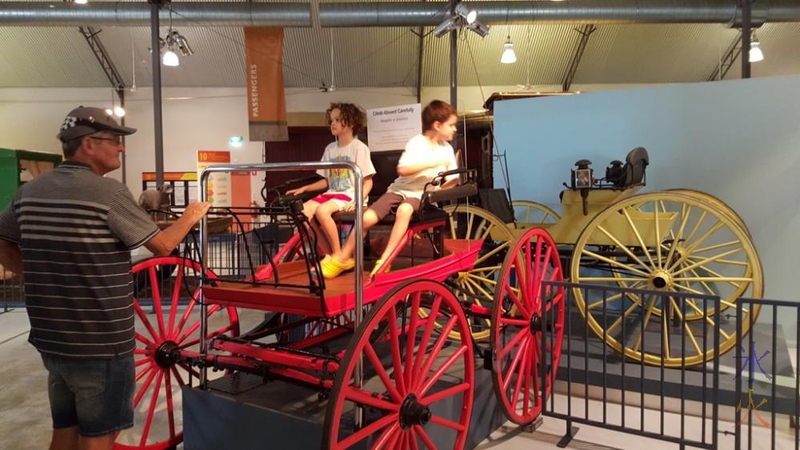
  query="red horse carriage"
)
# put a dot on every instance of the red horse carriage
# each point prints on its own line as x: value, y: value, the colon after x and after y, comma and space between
x: 381, y: 375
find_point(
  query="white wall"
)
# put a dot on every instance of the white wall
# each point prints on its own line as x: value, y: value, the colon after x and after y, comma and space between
x: 193, y: 118
x: 738, y: 140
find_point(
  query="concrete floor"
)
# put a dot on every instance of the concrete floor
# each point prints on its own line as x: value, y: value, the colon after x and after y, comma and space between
x: 25, y: 422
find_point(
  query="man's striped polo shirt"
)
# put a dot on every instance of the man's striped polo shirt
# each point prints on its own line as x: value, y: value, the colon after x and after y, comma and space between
x: 76, y: 229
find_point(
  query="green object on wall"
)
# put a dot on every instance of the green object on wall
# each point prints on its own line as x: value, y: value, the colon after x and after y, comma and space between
x: 20, y: 166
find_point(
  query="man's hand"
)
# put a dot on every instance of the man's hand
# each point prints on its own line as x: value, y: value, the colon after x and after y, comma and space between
x: 195, y: 211
x: 163, y: 242
x: 10, y: 257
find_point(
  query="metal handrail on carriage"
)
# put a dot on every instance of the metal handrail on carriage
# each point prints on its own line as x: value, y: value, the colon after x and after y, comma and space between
x: 276, y: 167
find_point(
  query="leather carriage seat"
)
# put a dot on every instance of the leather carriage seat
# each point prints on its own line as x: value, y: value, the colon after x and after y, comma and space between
x: 635, y: 164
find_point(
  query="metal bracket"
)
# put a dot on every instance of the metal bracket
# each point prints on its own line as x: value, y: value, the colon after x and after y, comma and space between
x: 533, y: 426
x: 92, y: 38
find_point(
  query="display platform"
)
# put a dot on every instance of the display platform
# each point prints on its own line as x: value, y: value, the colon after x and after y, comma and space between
x: 245, y: 412
x: 593, y: 363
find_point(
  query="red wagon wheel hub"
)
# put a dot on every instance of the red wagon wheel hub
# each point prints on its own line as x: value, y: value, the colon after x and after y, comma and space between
x: 536, y: 325
x: 167, y: 354
x: 412, y: 412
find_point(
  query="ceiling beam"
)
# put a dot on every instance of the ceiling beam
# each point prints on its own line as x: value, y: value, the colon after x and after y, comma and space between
x: 413, y: 14
x: 137, y: 14
x: 585, y: 31
x: 394, y: 13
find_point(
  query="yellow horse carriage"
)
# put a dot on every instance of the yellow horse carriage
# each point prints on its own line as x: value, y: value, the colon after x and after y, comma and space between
x: 665, y: 245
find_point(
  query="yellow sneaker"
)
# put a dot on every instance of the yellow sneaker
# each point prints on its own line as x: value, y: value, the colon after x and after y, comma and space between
x: 379, y: 267
x: 332, y: 268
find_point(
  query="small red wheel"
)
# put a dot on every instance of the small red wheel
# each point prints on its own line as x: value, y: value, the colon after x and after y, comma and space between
x: 402, y: 381
x: 166, y: 333
x: 520, y: 322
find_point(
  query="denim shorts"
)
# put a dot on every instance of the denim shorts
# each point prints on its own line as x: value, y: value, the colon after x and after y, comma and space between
x: 95, y: 395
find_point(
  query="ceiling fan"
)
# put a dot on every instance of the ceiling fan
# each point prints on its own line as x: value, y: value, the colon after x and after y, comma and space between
x: 527, y: 86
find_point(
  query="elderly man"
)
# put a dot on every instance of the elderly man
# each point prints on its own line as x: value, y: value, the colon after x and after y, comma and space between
x: 69, y: 232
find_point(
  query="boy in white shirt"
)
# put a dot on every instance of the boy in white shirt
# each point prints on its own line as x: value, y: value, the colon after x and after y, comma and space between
x: 345, y: 120
x: 425, y: 156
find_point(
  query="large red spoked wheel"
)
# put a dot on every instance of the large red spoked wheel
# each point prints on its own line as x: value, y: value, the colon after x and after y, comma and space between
x: 525, y: 314
x: 166, y: 332
x: 412, y: 371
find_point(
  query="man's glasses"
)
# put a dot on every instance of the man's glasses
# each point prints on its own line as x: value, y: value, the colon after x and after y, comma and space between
x: 115, y: 140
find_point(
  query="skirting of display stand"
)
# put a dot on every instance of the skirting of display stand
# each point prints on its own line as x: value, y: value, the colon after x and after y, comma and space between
x: 244, y: 412
x: 588, y: 369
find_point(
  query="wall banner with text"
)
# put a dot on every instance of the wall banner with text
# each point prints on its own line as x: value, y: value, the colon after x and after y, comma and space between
x: 266, y: 103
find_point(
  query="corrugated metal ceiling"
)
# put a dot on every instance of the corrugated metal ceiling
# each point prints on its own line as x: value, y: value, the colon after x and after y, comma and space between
x: 388, y: 57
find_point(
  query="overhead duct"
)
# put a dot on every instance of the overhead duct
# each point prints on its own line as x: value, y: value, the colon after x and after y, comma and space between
x: 137, y: 14
x: 408, y: 14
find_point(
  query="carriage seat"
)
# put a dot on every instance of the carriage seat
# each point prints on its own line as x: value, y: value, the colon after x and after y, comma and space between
x: 634, y: 169
x: 385, y: 164
x: 428, y: 212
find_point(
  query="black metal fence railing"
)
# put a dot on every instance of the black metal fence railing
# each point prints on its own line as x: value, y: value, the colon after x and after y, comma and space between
x: 11, y: 294
x: 766, y: 382
x: 249, y: 241
x: 669, y: 342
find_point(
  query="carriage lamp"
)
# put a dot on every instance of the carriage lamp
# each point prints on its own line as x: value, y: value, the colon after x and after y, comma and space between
x: 583, y: 180
x: 582, y: 177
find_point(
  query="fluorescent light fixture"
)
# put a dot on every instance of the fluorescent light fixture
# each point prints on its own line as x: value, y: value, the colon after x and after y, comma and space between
x: 174, y: 42
x: 479, y: 28
x: 119, y: 111
x: 81, y: 2
x: 175, y: 39
x: 467, y: 13
x: 236, y: 141
x: 756, y: 54
x: 170, y: 59
x: 448, y: 25
x: 464, y: 17
x: 509, y: 57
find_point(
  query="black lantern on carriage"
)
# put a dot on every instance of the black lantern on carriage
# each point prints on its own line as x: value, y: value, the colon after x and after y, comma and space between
x: 583, y: 180
x: 582, y: 176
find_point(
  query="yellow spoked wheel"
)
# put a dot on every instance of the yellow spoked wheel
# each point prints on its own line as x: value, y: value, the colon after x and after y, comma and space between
x: 477, y: 286
x: 716, y: 203
x: 530, y: 214
x: 719, y: 207
x: 677, y: 245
